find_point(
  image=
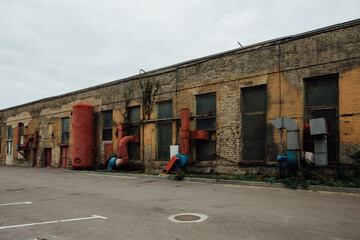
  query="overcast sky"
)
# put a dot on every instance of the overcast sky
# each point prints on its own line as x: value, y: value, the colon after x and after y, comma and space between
x: 51, y: 47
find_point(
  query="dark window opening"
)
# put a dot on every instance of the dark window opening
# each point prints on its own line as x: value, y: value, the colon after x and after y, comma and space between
x: 164, y: 130
x: 0, y: 140
x: 65, y: 130
x: 21, y: 129
x: 321, y: 100
x: 9, y: 140
x: 133, y: 129
x: 107, y: 122
x: 253, y: 123
x: 164, y: 110
x: 206, y: 120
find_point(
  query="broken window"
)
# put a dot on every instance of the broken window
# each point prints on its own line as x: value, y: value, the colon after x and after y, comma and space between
x: 253, y: 123
x: 9, y: 140
x: 65, y: 129
x: 107, y: 122
x: 321, y: 100
x: 164, y: 130
x: 134, y: 118
x: 206, y: 120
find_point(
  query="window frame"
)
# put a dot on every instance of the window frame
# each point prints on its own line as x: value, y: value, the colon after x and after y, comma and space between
x: 199, y: 117
x: 65, y: 132
x: 9, y: 147
x: 308, y: 108
x: 162, y: 121
x: 130, y: 131
x: 106, y: 127
x: 253, y: 113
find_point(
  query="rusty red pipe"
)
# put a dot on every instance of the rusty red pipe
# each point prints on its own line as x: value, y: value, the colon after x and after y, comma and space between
x: 185, y: 131
x: 121, y: 135
x: 27, y: 142
x: 124, y: 155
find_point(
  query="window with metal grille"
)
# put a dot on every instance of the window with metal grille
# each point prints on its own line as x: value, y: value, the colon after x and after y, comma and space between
x: 164, y: 130
x: 133, y: 129
x: 107, y: 122
x: 321, y: 100
x: 9, y: 140
x: 65, y: 129
x: 206, y: 120
x: 253, y: 123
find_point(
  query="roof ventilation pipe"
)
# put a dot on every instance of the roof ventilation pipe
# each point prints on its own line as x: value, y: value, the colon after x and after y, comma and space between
x: 292, y: 157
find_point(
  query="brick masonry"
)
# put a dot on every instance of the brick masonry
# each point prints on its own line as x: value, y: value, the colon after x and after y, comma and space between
x: 281, y: 65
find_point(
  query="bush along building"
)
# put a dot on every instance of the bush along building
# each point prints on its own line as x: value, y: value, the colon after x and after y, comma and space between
x: 232, y: 112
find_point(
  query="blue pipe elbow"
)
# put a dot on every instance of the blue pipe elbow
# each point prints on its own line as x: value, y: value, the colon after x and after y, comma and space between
x: 183, y: 159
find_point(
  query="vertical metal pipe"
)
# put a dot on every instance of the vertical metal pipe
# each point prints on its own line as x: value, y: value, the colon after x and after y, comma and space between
x: 185, y: 131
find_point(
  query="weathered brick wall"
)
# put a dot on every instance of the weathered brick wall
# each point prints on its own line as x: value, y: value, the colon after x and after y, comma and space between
x: 281, y: 65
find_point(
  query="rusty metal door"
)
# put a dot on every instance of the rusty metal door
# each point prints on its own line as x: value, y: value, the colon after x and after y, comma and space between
x: 47, y: 155
x: 64, y: 159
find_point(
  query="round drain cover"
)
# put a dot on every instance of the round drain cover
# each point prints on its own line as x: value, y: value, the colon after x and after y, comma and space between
x: 188, y: 218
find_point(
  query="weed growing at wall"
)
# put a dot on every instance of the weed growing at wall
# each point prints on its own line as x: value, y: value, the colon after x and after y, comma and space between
x: 149, y: 91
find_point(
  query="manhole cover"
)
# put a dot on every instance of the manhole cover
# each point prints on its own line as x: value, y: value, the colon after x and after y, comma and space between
x: 188, y: 218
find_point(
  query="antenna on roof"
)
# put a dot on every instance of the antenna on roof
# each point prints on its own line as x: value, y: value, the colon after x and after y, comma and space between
x: 240, y: 44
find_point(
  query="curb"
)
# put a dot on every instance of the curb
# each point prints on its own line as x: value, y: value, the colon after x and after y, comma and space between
x: 232, y: 182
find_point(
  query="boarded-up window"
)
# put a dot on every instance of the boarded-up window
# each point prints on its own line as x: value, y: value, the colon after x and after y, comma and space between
x: 206, y: 120
x: 107, y: 122
x: 65, y: 129
x: 164, y: 130
x: 9, y: 141
x: 134, y: 118
x: 321, y: 100
x: 253, y: 123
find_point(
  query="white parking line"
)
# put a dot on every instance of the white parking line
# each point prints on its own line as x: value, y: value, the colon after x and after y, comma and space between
x: 86, y: 218
x: 16, y: 203
x: 50, y: 222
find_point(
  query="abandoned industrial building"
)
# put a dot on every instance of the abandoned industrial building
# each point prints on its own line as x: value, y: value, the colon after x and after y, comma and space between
x: 250, y: 108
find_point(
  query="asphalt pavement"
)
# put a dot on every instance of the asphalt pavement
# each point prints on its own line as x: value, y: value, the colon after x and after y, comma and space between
x: 46, y: 203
